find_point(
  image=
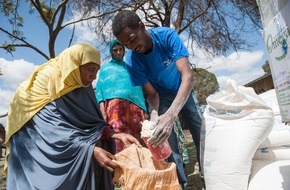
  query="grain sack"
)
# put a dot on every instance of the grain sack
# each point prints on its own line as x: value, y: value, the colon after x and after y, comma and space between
x: 270, y: 99
x: 273, y: 153
x: 138, y: 170
x: 270, y: 175
x: 280, y: 134
x: 236, y: 122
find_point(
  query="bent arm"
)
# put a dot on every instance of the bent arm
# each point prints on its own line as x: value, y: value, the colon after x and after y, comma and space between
x: 185, y: 88
x: 152, y: 97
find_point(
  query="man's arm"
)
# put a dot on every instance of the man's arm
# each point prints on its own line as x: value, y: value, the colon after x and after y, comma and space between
x: 153, y: 100
x: 166, y: 121
x: 185, y: 88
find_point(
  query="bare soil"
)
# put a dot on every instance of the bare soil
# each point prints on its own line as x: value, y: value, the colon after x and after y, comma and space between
x: 191, y: 169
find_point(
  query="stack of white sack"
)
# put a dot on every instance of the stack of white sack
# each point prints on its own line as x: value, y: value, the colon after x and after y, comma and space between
x: 271, y: 162
x: 236, y: 122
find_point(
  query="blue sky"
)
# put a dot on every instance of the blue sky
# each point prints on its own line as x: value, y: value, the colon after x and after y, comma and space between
x: 242, y: 67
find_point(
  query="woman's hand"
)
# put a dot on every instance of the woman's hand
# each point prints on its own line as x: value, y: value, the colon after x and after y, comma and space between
x: 127, y: 139
x: 105, y: 158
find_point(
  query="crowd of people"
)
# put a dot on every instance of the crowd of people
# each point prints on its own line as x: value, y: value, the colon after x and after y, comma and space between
x: 65, y: 135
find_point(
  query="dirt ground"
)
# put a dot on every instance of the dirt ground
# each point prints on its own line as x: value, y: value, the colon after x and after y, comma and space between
x: 194, y: 182
x: 191, y: 169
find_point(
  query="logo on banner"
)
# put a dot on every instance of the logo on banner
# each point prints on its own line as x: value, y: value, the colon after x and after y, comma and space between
x: 279, y: 41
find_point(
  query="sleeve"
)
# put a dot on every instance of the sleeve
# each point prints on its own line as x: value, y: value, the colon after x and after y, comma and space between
x: 175, y: 45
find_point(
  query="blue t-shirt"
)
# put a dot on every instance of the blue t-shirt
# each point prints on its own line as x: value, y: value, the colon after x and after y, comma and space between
x: 159, y: 66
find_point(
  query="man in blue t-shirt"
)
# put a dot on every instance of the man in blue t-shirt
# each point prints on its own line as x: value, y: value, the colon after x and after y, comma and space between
x: 158, y: 60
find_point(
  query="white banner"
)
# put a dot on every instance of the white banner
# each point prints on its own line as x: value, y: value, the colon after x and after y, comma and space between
x: 276, y: 21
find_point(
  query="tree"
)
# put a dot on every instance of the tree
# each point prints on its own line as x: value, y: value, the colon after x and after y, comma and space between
x: 205, y: 84
x: 217, y: 26
x: 53, y: 15
x: 266, y: 67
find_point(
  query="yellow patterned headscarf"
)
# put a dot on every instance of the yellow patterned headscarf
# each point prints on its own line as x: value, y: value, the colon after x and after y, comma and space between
x: 48, y: 82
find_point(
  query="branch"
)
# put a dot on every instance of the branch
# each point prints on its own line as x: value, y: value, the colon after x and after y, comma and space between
x: 91, y: 17
x: 61, y: 7
x: 199, y: 15
x: 228, y: 33
x: 4, y: 114
x: 63, y: 3
x: 38, y: 7
x: 72, y: 36
x: 26, y: 44
x: 180, y: 15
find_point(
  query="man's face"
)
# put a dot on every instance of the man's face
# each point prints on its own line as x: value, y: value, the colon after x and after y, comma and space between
x: 118, y: 52
x: 88, y: 73
x: 135, y: 39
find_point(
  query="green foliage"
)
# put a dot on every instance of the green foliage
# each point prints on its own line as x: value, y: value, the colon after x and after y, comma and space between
x: 8, y: 47
x: 47, y: 12
x: 215, y: 26
x: 266, y: 67
x: 205, y: 84
x: 6, y: 7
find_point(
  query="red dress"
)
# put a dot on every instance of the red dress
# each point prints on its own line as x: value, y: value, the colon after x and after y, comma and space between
x: 125, y: 117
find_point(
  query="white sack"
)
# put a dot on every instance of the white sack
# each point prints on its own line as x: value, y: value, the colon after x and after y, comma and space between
x: 235, y: 123
x: 279, y: 135
x: 273, y: 153
x: 270, y: 99
x: 270, y: 175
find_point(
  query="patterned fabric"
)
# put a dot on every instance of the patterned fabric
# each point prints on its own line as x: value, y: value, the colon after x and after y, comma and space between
x: 181, y: 142
x: 125, y: 117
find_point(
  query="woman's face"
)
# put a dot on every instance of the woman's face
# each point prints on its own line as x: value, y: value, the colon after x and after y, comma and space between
x: 89, y: 73
x: 118, y: 52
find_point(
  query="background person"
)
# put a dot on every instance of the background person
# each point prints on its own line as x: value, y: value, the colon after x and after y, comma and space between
x: 56, y: 137
x: 122, y: 105
x: 159, y: 62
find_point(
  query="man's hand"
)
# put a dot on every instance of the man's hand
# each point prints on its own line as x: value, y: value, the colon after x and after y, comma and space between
x: 163, y: 129
x: 105, y: 158
x: 126, y: 138
x: 154, y: 116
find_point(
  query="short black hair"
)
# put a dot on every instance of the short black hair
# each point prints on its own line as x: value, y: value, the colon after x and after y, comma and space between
x: 123, y: 19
